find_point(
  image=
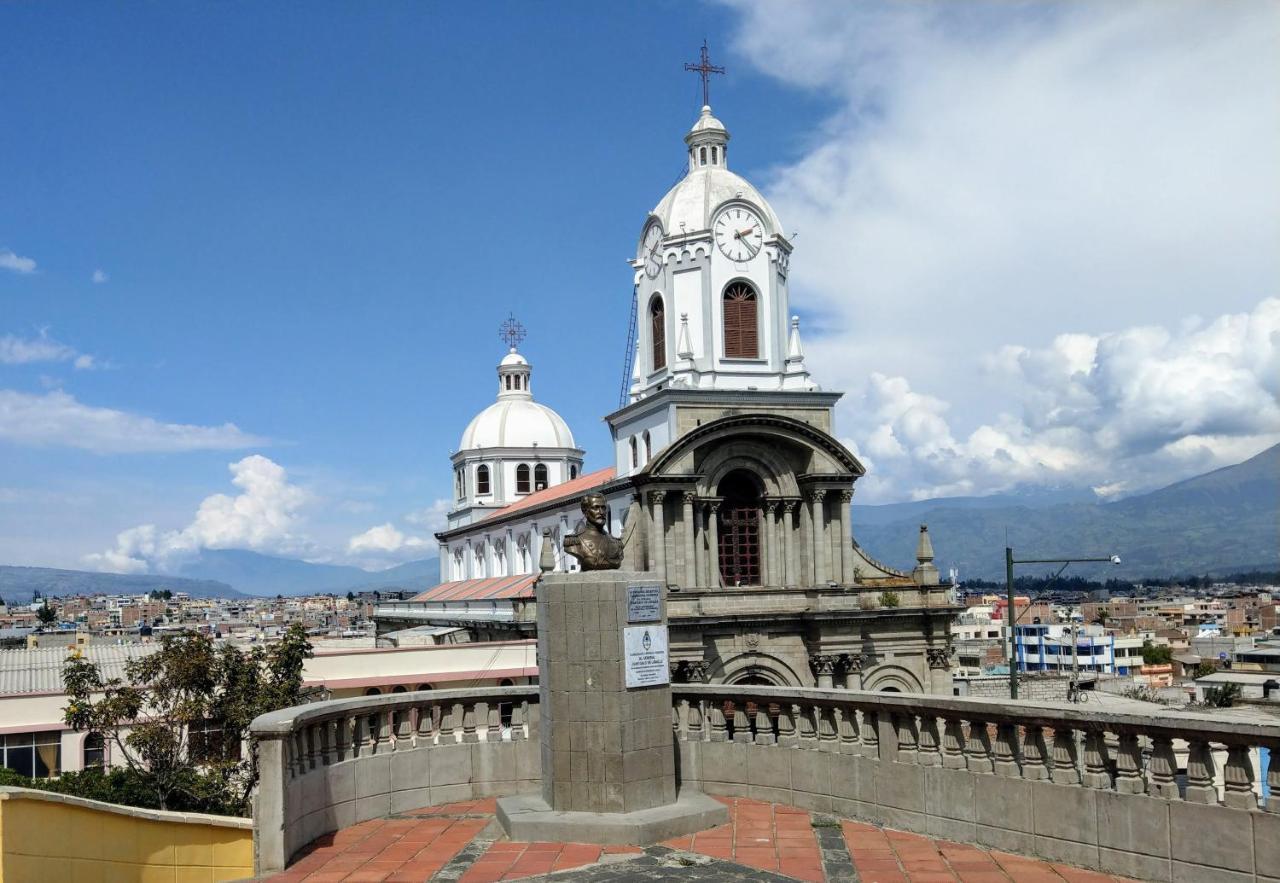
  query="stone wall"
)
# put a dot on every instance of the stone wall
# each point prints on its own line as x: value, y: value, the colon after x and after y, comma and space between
x: 1034, y: 688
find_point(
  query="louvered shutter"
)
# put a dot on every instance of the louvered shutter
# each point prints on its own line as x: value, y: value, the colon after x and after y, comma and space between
x: 659, y: 327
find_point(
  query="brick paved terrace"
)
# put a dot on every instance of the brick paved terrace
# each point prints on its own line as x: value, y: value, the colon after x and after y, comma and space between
x: 763, y: 841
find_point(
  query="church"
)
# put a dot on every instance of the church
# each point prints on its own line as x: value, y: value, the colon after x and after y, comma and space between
x: 727, y: 479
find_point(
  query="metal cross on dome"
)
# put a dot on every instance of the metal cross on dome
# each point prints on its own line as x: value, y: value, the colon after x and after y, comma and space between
x: 511, y: 331
x: 704, y: 68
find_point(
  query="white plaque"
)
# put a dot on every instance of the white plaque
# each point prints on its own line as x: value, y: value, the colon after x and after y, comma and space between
x: 644, y: 603
x: 644, y: 648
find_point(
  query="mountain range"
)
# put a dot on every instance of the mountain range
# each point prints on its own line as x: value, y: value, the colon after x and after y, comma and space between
x: 1223, y: 521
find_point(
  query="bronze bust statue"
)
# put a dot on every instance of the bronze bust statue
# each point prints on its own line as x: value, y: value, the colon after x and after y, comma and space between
x: 591, y: 544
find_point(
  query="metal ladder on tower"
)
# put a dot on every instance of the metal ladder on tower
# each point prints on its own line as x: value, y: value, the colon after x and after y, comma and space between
x: 629, y: 359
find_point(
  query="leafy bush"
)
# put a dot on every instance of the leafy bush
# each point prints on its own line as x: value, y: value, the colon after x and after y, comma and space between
x: 889, y: 599
x: 126, y: 787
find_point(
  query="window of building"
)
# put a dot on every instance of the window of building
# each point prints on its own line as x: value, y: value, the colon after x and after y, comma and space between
x: 648, y: 447
x: 739, y: 552
x: 95, y: 751
x: 573, y: 472
x: 635, y: 453
x: 373, y: 691
x: 702, y: 156
x: 208, y: 742
x: 399, y: 688
x: 540, y: 477
x: 425, y: 687
x: 658, y: 330
x: 741, y: 338
x: 482, y: 480
x: 522, y: 478
x: 714, y: 155
x: 34, y: 755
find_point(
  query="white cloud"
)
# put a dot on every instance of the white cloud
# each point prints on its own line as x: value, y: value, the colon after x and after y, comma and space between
x: 385, y: 543
x: 100, y: 276
x: 25, y: 351
x: 1120, y: 412
x: 58, y: 419
x: 16, y: 263
x: 995, y: 173
x: 263, y: 517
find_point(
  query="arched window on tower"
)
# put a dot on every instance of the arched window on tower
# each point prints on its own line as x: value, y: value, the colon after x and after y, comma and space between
x: 715, y: 155
x: 522, y: 478
x: 482, y: 480
x: 540, y: 477
x: 658, y: 331
x: 635, y: 453
x: 648, y: 447
x: 739, y: 529
x: 573, y: 472
x: 702, y: 156
x: 741, y: 337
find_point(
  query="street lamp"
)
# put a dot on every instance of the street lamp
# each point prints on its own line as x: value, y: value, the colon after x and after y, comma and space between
x: 1009, y: 561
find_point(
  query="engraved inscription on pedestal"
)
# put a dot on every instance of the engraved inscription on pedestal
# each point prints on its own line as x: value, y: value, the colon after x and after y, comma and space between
x: 644, y: 649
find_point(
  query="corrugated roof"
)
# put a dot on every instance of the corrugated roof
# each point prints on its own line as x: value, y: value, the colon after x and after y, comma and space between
x: 570, y: 488
x: 493, y: 588
x: 39, y: 670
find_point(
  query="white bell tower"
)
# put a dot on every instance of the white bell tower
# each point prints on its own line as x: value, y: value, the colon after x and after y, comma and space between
x: 711, y: 283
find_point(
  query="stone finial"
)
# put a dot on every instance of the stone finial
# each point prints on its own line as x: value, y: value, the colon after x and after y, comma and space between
x: 547, y: 559
x: 795, y: 351
x: 925, y: 573
x: 924, y: 548
x: 684, y: 349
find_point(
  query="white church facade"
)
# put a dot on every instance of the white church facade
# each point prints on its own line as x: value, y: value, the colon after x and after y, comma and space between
x: 726, y: 474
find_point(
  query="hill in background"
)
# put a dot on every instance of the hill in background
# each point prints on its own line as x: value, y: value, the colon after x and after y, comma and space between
x: 18, y: 584
x: 1223, y: 521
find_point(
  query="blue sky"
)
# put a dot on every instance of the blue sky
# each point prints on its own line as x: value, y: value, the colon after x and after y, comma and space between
x: 309, y: 220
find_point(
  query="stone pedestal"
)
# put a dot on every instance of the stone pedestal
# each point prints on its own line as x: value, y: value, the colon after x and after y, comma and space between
x: 608, y: 751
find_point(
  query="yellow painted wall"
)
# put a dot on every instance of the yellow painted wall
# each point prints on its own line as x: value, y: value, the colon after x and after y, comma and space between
x: 54, y: 838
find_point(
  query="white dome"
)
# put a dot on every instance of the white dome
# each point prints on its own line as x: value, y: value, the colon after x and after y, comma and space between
x: 513, y: 358
x: 695, y: 198
x: 516, y: 423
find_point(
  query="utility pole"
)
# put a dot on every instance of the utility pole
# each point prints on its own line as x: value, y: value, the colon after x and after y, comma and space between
x: 1012, y: 618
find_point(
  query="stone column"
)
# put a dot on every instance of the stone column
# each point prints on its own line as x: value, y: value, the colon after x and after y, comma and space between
x: 823, y: 666
x: 687, y: 530
x: 845, y: 539
x: 713, y: 547
x: 769, y: 536
x: 853, y: 671
x: 658, y: 535
x: 789, y: 541
x: 817, y: 537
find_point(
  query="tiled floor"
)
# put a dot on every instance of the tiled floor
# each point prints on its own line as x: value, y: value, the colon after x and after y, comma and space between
x: 460, y: 841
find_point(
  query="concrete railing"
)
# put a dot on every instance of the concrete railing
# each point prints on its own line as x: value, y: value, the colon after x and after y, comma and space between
x: 1103, y: 790
x: 329, y: 765
x: 1099, y: 789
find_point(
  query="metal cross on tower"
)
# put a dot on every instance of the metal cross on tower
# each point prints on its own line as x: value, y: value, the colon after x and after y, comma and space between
x: 511, y: 332
x: 704, y: 68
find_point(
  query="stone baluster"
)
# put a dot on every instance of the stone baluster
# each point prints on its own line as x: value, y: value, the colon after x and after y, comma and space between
x: 1129, y: 778
x: 332, y: 751
x: 519, y: 712
x: 1237, y: 778
x: 847, y: 727
x: 469, y: 732
x: 1006, y: 750
x: 764, y: 727
x: 1096, y: 760
x: 694, y: 724
x: 1035, y: 754
x: 719, y: 729
x: 680, y: 714
x: 805, y: 724
x: 368, y: 732
x: 827, y: 738
x: 1066, y: 761
x: 298, y: 752
x: 314, y: 754
x: 870, y: 733
x: 1162, y: 769
x: 978, y: 749
x: 404, y: 729
x: 494, y: 732
x: 383, y: 723
x: 904, y: 724
x: 426, y: 725
x: 930, y: 753
x: 448, y: 723
x: 953, y: 743
x: 787, y: 736
x: 1200, y: 772
x: 741, y: 724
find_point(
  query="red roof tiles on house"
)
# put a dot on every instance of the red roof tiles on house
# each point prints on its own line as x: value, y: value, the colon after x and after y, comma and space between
x: 493, y: 588
x: 570, y: 488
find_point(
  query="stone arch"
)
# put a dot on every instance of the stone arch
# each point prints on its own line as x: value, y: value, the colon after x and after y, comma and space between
x: 892, y: 679
x: 776, y: 476
x: 765, y: 434
x: 764, y: 666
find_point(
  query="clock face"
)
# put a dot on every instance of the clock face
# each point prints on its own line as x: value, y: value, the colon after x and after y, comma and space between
x: 739, y: 233
x: 651, y: 249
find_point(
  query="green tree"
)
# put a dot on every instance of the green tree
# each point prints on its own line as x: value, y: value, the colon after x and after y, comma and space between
x: 1222, y: 697
x: 181, y: 716
x: 45, y: 614
x: 1156, y: 654
x: 1203, y: 669
x: 351, y: 597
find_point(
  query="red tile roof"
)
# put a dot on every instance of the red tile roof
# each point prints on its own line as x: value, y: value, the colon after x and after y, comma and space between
x: 491, y: 588
x: 571, y: 488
